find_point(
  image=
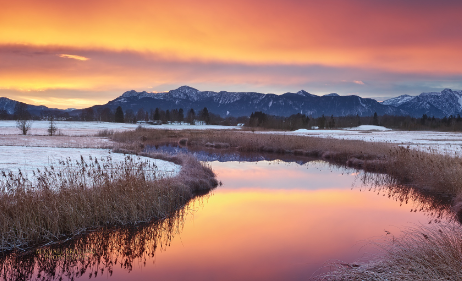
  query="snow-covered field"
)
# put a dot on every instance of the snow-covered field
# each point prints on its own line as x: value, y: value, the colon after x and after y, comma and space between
x: 441, y: 142
x: 68, y: 128
x: 55, y: 141
x: 13, y: 158
x: 37, y: 149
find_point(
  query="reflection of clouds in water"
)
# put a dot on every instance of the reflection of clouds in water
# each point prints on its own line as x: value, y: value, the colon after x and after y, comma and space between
x: 277, y: 174
x: 295, y: 220
x: 99, y: 252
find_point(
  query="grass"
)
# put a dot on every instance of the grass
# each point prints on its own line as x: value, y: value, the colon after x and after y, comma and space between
x: 98, y: 252
x: 425, y: 169
x: 419, y: 253
x: 423, y: 253
x: 73, y: 197
x: 105, y: 133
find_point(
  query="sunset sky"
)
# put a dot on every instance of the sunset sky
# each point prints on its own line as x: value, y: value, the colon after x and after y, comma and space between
x: 64, y: 53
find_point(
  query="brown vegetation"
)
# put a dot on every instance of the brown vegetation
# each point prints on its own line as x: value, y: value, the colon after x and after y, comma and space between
x: 97, y: 252
x: 420, y: 253
x: 426, y: 253
x: 63, y: 201
x: 425, y: 169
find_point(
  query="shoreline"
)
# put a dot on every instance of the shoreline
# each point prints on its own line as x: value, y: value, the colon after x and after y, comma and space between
x: 424, y: 171
x: 120, y: 198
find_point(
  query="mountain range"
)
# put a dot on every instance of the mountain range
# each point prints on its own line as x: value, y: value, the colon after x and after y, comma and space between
x: 8, y: 105
x: 438, y: 104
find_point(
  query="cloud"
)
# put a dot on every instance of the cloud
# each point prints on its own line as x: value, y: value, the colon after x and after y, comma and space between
x: 75, y: 57
x: 38, y: 73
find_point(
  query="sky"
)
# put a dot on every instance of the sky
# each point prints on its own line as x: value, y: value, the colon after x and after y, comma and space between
x: 74, y: 54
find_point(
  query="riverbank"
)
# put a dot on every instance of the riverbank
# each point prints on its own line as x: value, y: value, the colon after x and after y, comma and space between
x: 419, y: 253
x: 74, y: 197
x: 434, y: 172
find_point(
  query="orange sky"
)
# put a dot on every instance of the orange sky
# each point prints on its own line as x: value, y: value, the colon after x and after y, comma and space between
x: 93, y: 51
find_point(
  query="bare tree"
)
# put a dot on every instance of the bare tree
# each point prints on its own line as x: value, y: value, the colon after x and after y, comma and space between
x: 52, y: 126
x: 23, y: 117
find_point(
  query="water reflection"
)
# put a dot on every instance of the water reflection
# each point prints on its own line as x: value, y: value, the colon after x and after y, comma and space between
x: 227, y: 155
x: 437, y: 207
x: 97, y: 253
x: 271, y: 220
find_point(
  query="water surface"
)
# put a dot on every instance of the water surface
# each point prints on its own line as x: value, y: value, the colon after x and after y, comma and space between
x: 270, y: 220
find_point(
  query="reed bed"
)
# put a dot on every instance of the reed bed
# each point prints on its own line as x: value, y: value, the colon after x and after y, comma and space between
x: 97, y: 252
x: 425, y: 169
x: 419, y: 253
x: 73, y: 197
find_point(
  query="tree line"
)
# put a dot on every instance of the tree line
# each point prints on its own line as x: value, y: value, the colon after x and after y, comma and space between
x: 105, y: 114
x: 256, y: 119
x: 302, y: 121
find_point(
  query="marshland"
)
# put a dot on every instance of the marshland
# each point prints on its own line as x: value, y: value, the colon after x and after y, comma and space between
x: 289, y: 207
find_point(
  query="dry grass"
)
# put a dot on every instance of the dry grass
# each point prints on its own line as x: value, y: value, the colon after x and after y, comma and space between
x: 105, y: 133
x: 96, y: 253
x: 425, y: 169
x: 55, y: 141
x: 420, y: 253
x: 423, y: 253
x: 76, y: 196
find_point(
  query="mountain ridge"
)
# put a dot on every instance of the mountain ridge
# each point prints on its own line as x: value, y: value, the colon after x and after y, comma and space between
x: 244, y: 103
x: 438, y: 104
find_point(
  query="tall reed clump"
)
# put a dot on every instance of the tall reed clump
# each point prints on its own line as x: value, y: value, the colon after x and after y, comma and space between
x: 96, y: 252
x: 72, y: 197
x: 421, y: 253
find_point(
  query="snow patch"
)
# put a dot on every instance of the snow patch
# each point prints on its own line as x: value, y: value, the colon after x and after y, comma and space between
x: 28, y: 159
x: 368, y: 128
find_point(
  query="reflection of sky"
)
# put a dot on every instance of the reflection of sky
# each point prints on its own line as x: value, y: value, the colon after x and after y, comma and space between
x: 211, y: 155
x: 282, y: 175
x: 276, y: 221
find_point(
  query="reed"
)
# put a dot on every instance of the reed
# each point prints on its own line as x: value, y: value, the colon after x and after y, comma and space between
x: 419, y: 253
x: 424, y: 169
x: 64, y: 200
x: 105, y: 133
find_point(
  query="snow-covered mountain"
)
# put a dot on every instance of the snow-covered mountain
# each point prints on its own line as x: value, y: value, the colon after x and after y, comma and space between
x: 8, y: 105
x: 438, y: 104
x: 398, y: 100
x: 244, y: 103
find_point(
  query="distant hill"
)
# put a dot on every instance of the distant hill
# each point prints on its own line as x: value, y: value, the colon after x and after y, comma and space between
x: 244, y: 103
x: 438, y: 104
x: 36, y: 110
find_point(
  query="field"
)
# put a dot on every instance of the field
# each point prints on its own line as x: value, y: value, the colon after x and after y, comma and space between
x: 439, y: 142
x: 54, y: 187
x: 76, y: 134
x: 92, y: 128
x: 426, y: 160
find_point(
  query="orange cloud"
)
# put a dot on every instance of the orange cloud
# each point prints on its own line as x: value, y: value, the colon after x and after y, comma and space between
x: 391, y: 34
x: 270, y: 46
x: 73, y: 57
